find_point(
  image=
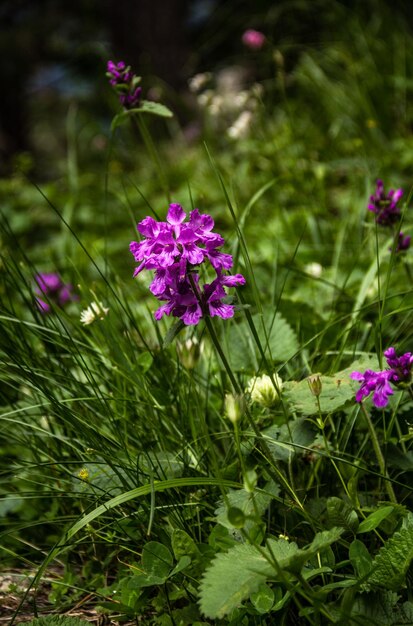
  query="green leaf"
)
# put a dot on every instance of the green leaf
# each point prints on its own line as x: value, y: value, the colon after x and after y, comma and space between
x: 183, y: 563
x: 58, y: 620
x: 237, y: 574
x: 156, y: 559
x: 173, y: 331
x: 374, y: 519
x: 393, y: 560
x: 250, y: 503
x: 155, y: 108
x: 231, y: 579
x: 340, y: 513
x: 300, y: 433
x: 336, y: 390
x: 360, y: 558
x: 234, y: 575
x: 183, y: 544
x: 278, y: 341
x: 263, y: 599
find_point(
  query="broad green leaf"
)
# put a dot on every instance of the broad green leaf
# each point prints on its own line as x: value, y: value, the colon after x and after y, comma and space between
x: 182, y: 564
x: 340, y: 513
x: 278, y: 341
x: 374, y: 519
x: 234, y: 575
x: 290, y: 439
x: 360, y: 558
x: 336, y: 391
x: 393, y: 560
x: 156, y: 559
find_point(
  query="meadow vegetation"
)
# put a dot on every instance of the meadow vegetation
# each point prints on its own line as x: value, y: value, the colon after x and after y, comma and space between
x: 246, y: 456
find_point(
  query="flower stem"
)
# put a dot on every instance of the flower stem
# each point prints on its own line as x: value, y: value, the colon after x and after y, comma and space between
x: 379, y: 455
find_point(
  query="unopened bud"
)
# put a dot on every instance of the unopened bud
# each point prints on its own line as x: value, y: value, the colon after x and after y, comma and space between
x: 234, y: 407
x: 315, y: 384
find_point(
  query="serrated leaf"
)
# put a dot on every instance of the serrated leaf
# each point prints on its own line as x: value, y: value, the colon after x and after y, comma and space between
x: 234, y: 575
x: 336, y: 391
x: 238, y: 573
x: 340, y: 513
x: 374, y: 519
x: 278, y: 341
x: 393, y: 559
x: 58, y: 620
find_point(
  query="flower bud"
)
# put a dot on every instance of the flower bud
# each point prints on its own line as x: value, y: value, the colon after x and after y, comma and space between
x: 264, y: 391
x: 315, y: 384
x: 234, y: 407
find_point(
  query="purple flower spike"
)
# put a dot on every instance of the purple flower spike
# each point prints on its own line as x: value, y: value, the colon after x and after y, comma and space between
x: 385, y: 206
x: 176, y: 249
x: 378, y: 383
x: 55, y: 290
x: 125, y: 82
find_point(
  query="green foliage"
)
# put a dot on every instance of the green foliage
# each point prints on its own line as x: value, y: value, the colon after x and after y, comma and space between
x: 58, y: 620
x: 336, y: 391
x: 245, y: 568
x: 390, y: 565
x: 277, y: 340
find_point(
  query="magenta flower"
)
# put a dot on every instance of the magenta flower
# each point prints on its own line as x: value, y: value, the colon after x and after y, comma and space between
x: 55, y: 290
x: 125, y: 82
x: 378, y: 383
x: 385, y: 206
x: 176, y: 249
x: 403, y: 243
x: 253, y: 39
x: 400, y: 366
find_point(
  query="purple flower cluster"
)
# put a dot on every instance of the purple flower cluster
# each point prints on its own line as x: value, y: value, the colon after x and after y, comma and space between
x: 378, y: 383
x: 175, y: 249
x: 125, y: 82
x: 385, y: 206
x: 403, y: 242
x: 54, y: 289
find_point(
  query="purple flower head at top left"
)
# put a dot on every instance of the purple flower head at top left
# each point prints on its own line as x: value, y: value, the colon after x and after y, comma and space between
x: 54, y: 289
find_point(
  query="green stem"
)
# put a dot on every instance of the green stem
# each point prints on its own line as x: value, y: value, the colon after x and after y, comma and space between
x: 153, y: 153
x: 379, y: 455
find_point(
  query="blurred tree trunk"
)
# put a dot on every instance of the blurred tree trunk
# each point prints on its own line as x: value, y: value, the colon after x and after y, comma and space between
x: 151, y: 36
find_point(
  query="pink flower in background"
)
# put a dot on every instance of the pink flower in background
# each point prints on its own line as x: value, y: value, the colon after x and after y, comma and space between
x: 54, y: 289
x: 253, y: 39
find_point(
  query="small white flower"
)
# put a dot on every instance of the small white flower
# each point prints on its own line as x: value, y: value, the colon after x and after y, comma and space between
x: 262, y: 390
x: 95, y: 311
x: 241, y: 126
x: 197, y: 82
x: 314, y: 269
